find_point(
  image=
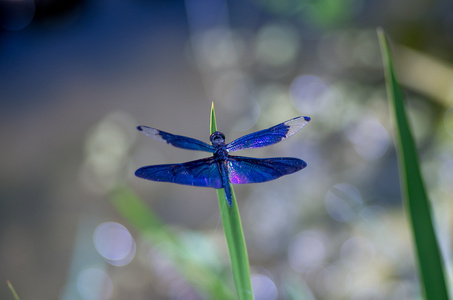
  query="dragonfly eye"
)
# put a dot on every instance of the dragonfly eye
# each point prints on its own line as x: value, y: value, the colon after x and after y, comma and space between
x: 217, y: 138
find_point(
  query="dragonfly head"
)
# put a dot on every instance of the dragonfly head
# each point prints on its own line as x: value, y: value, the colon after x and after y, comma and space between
x: 217, y: 138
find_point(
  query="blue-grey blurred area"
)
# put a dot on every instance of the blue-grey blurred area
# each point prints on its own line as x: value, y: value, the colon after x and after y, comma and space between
x: 77, y: 77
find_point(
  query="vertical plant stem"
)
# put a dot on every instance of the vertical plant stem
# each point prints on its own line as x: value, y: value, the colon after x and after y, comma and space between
x: 416, y: 200
x: 234, y: 235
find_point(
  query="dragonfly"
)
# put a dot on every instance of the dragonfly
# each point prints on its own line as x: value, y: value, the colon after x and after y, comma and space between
x: 221, y: 169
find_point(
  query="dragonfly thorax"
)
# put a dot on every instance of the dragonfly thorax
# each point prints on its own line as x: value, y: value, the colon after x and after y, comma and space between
x: 217, y: 138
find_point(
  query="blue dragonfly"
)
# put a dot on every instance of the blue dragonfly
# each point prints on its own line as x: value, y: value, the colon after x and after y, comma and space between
x: 220, y: 169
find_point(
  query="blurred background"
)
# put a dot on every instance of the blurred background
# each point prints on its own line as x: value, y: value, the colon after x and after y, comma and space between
x: 77, y: 77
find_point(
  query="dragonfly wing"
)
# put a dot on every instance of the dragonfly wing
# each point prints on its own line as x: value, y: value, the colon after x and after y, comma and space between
x: 268, y: 136
x: 176, y: 140
x: 202, y: 172
x: 250, y: 170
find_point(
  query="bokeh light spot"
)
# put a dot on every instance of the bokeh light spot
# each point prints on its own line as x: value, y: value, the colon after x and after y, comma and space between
x: 114, y: 242
x: 369, y: 137
x: 331, y: 281
x: 310, y: 94
x: 107, y: 149
x: 357, y: 253
x: 263, y: 287
x: 277, y: 46
x: 215, y: 49
x: 307, y: 251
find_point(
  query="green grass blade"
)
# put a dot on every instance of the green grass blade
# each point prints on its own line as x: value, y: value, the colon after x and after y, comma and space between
x: 416, y: 200
x: 191, y: 262
x: 234, y: 235
x: 13, y: 291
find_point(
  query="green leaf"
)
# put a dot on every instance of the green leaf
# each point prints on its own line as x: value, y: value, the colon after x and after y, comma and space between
x: 234, y: 235
x: 416, y: 200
